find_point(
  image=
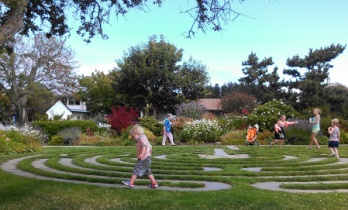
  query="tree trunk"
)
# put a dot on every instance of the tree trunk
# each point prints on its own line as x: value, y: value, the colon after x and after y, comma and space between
x: 21, y: 110
x: 155, y: 112
x: 14, y: 23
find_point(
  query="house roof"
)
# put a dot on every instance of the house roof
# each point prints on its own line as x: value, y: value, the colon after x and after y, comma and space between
x: 211, y: 104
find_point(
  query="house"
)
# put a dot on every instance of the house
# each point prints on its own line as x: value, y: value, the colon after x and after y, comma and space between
x: 212, y: 105
x: 69, y: 108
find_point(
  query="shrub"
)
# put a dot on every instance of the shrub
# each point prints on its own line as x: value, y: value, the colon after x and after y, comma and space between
x: 86, y: 140
x: 344, y: 137
x: 56, y: 140
x: 121, y: 118
x: 152, y: 124
x: 201, y: 130
x: 236, y: 137
x: 13, y: 142
x: 236, y: 102
x: 70, y: 135
x: 265, y: 137
x: 127, y: 140
x: 51, y: 128
x: 191, y: 109
x: 268, y: 114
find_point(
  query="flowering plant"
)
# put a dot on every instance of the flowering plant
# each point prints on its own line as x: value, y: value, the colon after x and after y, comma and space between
x: 201, y: 131
x: 268, y: 114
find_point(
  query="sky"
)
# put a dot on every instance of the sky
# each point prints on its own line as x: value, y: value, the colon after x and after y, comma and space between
x: 279, y: 29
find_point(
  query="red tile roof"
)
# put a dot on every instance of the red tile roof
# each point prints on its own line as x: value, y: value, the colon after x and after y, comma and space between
x: 211, y: 104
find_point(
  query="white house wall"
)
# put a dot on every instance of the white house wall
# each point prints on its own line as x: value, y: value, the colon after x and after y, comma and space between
x: 58, y: 109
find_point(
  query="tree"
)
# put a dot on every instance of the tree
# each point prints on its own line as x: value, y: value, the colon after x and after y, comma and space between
x: 237, y: 102
x: 265, y: 84
x: 336, y: 96
x: 313, y: 81
x: 192, y: 79
x: 28, y: 15
x: 213, y: 92
x: 33, y: 65
x: 150, y: 76
x: 98, y: 93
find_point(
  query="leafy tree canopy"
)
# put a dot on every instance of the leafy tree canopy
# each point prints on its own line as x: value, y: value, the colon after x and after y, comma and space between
x: 31, y: 15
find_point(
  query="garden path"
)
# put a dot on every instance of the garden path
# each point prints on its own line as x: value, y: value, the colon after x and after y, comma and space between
x: 39, y: 163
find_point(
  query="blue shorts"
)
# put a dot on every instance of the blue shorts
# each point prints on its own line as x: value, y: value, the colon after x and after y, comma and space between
x: 143, y: 167
x: 333, y: 144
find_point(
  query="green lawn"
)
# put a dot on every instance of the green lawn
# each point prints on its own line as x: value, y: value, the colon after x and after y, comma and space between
x: 182, y: 168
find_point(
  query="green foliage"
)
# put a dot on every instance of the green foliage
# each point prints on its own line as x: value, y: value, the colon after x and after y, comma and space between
x: 344, y: 137
x: 152, y: 124
x: 267, y: 115
x: 265, y: 137
x: 70, y: 135
x: 312, y: 81
x: 127, y: 139
x: 191, y: 109
x: 235, y: 137
x: 13, y: 142
x: 298, y: 134
x: 96, y: 90
x: 56, y: 140
x: 52, y: 128
x: 97, y: 140
x: 201, y: 131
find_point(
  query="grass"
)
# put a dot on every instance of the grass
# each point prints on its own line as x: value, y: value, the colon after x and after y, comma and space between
x: 110, y: 165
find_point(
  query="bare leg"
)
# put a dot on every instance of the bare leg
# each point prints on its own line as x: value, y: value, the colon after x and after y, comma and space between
x: 281, y: 143
x: 336, y: 151
x: 152, y: 178
x: 132, y: 180
x: 315, y: 140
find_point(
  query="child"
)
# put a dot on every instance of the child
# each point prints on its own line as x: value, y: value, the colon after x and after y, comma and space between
x: 334, y: 140
x: 144, y: 151
x: 252, y: 133
x: 315, y: 121
x: 279, y: 132
x: 167, y: 130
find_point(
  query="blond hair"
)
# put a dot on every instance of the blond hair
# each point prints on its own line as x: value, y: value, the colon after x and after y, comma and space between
x: 335, y: 122
x: 137, y: 129
x: 318, y: 110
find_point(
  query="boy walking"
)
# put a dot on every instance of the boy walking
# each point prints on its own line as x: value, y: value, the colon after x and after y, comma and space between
x: 143, y: 151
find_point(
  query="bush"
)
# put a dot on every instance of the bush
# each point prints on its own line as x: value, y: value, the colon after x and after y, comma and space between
x: 265, y: 137
x: 52, y: 128
x: 191, y: 109
x: 236, y: 137
x: 152, y: 124
x: 13, y: 142
x: 70, y: 136
x: 267, y: 115
x: 127, y: 140
x: 121, y: 118
x: 86, y: 140
x: 201, y: 131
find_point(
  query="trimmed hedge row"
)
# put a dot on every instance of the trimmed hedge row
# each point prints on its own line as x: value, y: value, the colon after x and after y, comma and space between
x: 52, y: 128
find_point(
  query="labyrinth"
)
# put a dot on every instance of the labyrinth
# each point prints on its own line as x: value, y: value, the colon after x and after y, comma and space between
x: 192, y: 168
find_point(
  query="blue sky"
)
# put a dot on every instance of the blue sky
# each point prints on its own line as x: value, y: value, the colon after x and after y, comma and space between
x: 271, y: 28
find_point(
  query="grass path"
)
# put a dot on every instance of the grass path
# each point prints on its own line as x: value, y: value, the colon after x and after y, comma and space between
x: 109, y: 171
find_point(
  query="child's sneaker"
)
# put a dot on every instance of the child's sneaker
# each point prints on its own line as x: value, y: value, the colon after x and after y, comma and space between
x: 127, y: 183
x: 153, y: 185
x: 332, y: 154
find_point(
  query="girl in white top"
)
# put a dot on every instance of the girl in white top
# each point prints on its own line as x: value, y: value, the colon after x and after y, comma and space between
x: 334, y: 140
